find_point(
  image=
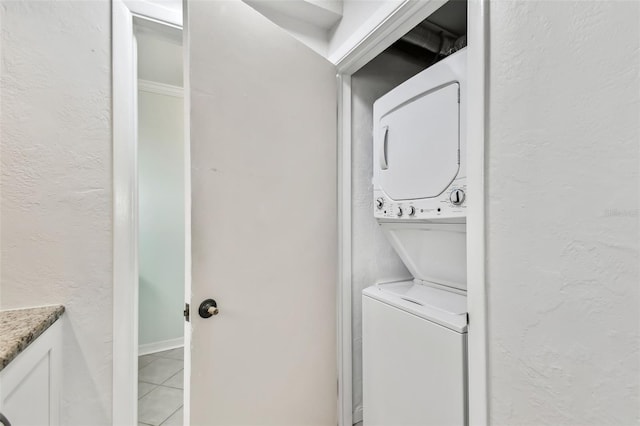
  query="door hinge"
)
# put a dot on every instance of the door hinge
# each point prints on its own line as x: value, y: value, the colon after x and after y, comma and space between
x: 186, y: 312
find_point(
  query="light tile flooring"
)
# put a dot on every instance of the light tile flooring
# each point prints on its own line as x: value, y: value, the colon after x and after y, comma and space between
x: 160, y: 388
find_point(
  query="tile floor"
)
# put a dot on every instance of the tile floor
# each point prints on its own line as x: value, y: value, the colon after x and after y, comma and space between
x: 160, y: 388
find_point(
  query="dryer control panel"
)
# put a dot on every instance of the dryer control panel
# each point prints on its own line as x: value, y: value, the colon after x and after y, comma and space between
x: 452, y: 203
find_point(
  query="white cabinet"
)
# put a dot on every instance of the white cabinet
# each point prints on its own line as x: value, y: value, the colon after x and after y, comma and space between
x: 30, y: 384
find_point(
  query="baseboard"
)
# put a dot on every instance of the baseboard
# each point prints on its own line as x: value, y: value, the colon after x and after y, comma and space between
x: 357, y: 414
x: 165, y: 345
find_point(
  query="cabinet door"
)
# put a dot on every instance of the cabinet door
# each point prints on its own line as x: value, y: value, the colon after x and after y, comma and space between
x: 264, y: 246
x: 30, y: 384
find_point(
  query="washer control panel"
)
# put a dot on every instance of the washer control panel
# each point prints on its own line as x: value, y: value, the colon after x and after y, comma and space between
x: 450, y: 204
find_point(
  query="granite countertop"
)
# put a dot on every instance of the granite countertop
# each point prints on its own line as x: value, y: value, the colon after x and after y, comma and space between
x: 20, y: 327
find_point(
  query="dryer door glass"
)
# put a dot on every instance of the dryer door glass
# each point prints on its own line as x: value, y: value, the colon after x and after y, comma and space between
x: 417, y: 145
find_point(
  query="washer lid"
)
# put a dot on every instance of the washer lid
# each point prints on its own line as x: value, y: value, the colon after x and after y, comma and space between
x: 442, y: 307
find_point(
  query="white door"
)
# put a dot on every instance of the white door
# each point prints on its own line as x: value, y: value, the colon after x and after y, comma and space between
x: 264, y: 244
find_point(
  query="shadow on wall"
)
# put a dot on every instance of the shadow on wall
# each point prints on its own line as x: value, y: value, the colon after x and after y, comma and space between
x: 84, y: 368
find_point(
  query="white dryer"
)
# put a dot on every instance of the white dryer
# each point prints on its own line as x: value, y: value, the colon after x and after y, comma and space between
x: 419, y: 145
x: 414, y: 332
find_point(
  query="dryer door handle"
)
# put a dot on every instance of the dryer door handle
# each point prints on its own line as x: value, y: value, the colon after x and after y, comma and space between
x: 383, y: 148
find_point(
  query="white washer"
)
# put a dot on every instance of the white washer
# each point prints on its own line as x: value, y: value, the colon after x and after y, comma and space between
x: 414, y: 356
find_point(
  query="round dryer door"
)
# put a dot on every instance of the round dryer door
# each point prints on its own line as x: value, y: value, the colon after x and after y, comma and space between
x: 416, y: 144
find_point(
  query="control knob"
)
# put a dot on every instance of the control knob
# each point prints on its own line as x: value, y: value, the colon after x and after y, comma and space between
x: 410, y: 210
x: 398, y: 211
x: 380, y: 203
x: 457, y: 197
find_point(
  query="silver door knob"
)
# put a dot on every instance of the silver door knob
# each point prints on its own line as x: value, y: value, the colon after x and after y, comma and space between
x: 208, y: 308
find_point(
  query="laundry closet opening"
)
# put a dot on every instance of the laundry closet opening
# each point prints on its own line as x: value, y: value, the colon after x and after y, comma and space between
x: 373, y: 258
x: 161, y: 222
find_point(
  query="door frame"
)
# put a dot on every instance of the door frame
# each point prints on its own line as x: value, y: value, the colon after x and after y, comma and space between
x: 125, y: 200
x: 389, y: 29
x: 384, y: 32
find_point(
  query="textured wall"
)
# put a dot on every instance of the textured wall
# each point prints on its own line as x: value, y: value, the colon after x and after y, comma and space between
x: 161, y: 208
x: 563, y: 213
x: 56, y: 184
x: 373, y: 259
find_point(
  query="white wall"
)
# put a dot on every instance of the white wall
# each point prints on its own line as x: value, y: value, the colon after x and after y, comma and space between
x: 159, y: 54
x: 308, y: 22
x: 562, y: 213
x: 373, y: 259
x: 56, y: 184
x: 359, y: 17
x: 313, y: 34
x: 161, y: 223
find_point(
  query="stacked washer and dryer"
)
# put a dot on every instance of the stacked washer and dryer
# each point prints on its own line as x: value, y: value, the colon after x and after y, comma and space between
x: 415, y: 332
